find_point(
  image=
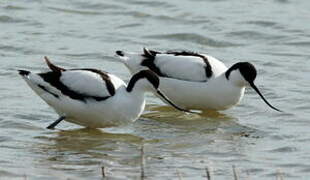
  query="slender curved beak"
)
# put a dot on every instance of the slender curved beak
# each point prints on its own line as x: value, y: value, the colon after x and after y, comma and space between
x: 260, y: 94
x: 172, y: 104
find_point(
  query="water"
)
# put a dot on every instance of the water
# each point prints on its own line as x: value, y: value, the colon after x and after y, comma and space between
x: 274, y: 35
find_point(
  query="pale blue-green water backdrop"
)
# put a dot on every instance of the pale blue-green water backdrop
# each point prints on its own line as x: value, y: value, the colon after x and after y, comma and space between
x: 272, y: 34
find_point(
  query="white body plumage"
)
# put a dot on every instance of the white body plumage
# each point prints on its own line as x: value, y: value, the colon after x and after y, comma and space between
x: 120, y: 109
x: 91, y: 97
x: 198, y: 95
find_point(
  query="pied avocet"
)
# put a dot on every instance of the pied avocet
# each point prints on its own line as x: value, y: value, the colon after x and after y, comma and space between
x: 193, y: 80
x: 91, y: 97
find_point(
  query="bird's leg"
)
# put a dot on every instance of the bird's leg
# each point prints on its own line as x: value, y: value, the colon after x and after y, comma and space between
x: 52, y: 126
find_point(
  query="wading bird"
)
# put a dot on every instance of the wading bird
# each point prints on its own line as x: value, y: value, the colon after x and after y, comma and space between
x: 91, y: 97
x: 193, y: 80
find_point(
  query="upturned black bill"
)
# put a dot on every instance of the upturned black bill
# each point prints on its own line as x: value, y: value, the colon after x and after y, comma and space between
x: 172, y: 104
x: 260, y: 94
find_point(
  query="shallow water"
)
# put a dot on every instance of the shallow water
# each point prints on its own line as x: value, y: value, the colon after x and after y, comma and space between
x: 274, y: 35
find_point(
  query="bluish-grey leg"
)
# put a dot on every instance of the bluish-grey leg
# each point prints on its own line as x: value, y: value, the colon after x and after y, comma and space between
x: 52, y: 126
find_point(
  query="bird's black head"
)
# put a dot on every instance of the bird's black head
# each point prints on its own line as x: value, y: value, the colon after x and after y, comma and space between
x: 154, y: 81
x: 246, y: 69
x: 147, y: 74
x: 248, y: 72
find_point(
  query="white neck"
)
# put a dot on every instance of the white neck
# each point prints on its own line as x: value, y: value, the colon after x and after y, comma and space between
x: 141, y: 86
x: 237, y: 79
x: 130, y: 105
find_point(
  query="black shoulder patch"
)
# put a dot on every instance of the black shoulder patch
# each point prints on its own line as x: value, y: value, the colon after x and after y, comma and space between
x: 148, y: 52
x: 148, y: 61
x: 53, y: 78
x: 208, y: 67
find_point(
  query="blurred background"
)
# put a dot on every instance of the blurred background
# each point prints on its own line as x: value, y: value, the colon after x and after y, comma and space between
x: 274, y: 35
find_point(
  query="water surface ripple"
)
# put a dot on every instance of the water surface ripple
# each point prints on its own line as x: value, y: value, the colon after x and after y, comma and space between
x: 274, y: 35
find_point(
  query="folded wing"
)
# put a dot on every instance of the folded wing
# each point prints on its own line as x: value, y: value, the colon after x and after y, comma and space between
x: 180, y: 65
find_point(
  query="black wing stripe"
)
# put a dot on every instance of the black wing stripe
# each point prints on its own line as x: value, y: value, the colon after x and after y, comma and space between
x: 148, y: 61
x: 44, y: 89
x: 149, y: 58
x: 104, y: 76
x: 53, y: 78
x: 208, y: 68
